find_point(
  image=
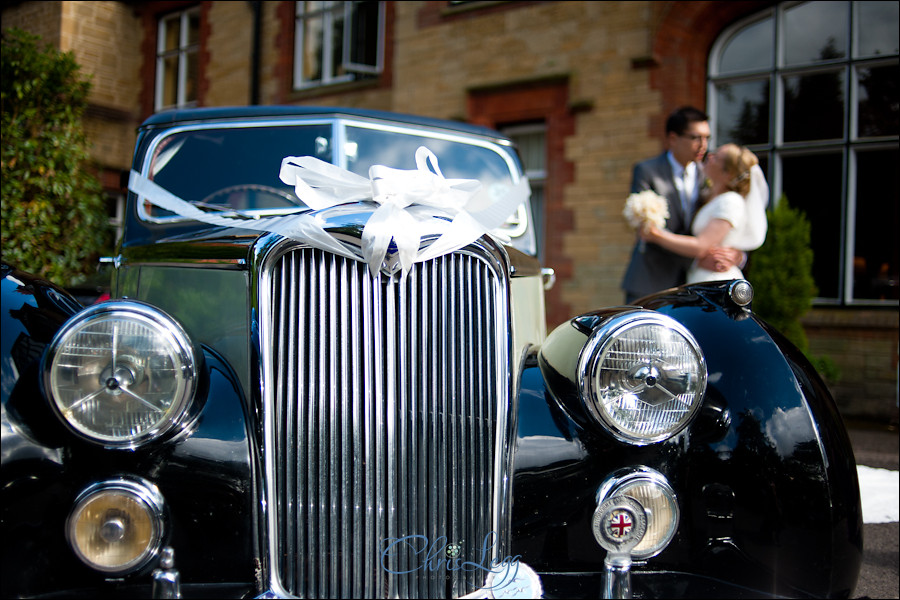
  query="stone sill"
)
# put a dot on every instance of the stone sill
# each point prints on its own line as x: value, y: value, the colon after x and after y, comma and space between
x: 853, y: 318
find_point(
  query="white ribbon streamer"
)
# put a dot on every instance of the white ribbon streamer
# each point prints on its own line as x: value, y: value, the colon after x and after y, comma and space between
x: 411, y: 204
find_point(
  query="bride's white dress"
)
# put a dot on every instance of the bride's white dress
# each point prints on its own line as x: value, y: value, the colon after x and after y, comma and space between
x: 731, y: 207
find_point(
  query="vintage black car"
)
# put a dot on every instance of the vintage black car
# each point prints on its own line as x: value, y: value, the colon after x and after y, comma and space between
x: 324, y: 372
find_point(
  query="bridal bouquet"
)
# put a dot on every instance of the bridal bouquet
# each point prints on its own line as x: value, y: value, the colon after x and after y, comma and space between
x: 646, y: 208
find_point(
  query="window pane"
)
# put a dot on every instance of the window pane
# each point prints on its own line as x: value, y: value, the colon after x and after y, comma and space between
x: 337, y: 45
x: 813, y: 184
x: 876, y: 266
x: 193, y: 28
x: 814, y: 106
x: 815, y: 31
x: 309, y: 7
x: 190, y: 84
x: 878, y: 106
x: 532, y: 147
x: 170, y: 81
x: 531, y: 144
x: 364, y: 36
x: 743, y: 112
x: 752, y: 48
x: 171, y: 33
x: 876, y: 28
x: 312, y: 50
x: 764, y: 166
x: 537, y: 213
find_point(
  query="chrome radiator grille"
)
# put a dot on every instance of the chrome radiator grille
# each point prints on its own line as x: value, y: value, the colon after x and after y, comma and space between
x: 386, y: 402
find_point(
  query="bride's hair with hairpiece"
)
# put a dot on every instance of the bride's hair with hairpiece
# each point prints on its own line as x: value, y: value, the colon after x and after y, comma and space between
x: 737, y: 162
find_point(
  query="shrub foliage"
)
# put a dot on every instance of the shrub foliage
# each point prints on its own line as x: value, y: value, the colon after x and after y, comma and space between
x: 781, y: 273
x: 54, y: 216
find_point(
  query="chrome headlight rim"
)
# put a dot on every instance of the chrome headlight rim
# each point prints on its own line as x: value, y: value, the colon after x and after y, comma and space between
x: 622, y: 481
x: 188, y: 357
x: 589, y: 363
x: 146, y: 497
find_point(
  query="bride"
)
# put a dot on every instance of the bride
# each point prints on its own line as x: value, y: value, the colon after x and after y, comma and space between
x: 734, y: 217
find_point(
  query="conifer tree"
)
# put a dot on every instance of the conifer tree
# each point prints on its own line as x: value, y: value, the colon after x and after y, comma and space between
x: 781, y: 273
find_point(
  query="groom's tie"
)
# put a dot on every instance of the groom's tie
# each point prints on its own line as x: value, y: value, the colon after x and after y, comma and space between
x: 687, y: 195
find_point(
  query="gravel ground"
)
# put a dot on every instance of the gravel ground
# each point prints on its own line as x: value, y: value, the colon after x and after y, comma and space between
x: 878, y: 446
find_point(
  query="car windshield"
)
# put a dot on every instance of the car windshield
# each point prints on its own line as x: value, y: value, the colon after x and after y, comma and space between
x: 236, y: 169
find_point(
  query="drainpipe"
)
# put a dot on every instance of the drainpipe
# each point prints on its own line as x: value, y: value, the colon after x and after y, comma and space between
x: 256, y: 7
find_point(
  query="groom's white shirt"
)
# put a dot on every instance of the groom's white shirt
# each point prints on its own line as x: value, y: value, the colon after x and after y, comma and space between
x: 685, y: 182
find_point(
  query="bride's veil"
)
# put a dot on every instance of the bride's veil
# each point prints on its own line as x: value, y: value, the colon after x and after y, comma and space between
x: 753, y: 233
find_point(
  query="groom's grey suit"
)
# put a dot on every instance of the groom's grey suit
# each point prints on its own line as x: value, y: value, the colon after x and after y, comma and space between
x: 656, y: 268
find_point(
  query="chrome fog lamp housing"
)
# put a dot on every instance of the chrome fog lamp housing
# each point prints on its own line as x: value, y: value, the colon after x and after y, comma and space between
x: 652, y: 491
x: 117, y: 526
x: 741, y: 292
x: 121, y: 373
x: 642, y: 376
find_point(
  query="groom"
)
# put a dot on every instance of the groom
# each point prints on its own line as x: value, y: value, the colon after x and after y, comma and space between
x: 677, y: 176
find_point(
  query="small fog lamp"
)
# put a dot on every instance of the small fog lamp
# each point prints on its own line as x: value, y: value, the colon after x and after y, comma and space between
x: 117, y: 526
x: 741, y: 292
x: 651, y: 490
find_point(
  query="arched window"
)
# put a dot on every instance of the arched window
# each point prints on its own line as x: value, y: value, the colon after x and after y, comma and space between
x: 811, y: 88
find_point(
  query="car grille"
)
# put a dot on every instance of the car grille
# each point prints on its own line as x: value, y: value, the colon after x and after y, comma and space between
x: 386, y: 407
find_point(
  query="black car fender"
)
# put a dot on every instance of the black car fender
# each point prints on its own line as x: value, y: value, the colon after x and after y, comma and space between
x: 204, y: 473
x: 764, y: 463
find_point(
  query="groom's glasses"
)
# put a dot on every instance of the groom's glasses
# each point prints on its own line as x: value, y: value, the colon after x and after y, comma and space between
x: 695, y: 138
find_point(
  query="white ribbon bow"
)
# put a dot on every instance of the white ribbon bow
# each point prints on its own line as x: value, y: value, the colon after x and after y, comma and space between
x: 412, y: 204
x: 322, y: 185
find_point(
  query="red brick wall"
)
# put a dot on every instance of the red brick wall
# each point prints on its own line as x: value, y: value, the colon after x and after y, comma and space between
x: 547, y: 102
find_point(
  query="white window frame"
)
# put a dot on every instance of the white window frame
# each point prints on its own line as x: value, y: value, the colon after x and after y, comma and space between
x: 327, y: 12
x: 182, y: 52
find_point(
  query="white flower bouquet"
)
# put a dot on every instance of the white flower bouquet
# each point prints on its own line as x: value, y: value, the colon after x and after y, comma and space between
x: 646, y: 208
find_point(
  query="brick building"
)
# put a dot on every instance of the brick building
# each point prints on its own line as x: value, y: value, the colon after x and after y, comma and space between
x: 584, y: 87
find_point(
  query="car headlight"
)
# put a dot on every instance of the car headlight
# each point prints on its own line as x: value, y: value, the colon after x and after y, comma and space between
x: 121, y: 373
x: 117, y: 526
x: 642, y: 375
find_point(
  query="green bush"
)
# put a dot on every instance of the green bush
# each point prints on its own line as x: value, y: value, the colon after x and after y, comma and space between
x: 54, y: 216
x: 781, y: 273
